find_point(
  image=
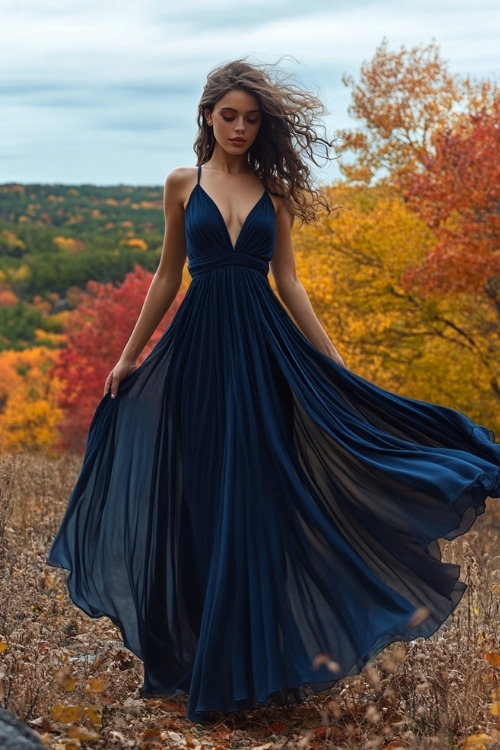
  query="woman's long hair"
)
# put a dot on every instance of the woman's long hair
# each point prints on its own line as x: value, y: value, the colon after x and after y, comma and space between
x: 290, y: 135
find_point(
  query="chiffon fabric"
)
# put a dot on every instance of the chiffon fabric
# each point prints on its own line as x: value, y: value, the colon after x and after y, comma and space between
x: 245, y: 504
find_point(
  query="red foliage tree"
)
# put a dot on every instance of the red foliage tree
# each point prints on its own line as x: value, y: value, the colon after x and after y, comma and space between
x: 95, y: 334
x: 458, y: 196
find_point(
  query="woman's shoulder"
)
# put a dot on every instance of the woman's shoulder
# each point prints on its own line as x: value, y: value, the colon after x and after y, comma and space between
x: 182, y: 173
x: 181, y: 176
x: 281, y: 209
x: 180, y: 182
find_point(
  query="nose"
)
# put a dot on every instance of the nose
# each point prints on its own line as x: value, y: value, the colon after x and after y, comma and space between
x: 240, y: 125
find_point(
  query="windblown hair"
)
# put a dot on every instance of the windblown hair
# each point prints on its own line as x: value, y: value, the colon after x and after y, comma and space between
x: 291, y: 134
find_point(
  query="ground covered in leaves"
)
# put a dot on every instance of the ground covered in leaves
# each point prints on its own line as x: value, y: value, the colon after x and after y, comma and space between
x: 70, y: 678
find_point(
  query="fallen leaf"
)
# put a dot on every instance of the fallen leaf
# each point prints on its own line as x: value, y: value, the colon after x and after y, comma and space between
x: 132, y: 704
x: 48, y: 579
x: 324, y: 660
x: 278, y: 727
x: 94, y: 714
x: 477, y: 742
x: 66, y: 714
x: 221, y: 733
x: 64, y: 678
x: 152, y: 737
x: 419, y: 616
x: 107, y: 700
x: 165, y: 705
x: 38, y: 722
x: 95, y: 685
x: 82, y: 733
x: 321, y: 733
x: 117, y: 736
x: 179, y: 739
x: 493, y: 657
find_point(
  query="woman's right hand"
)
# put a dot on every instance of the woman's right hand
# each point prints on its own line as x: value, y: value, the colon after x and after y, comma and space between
x: 120, y: 371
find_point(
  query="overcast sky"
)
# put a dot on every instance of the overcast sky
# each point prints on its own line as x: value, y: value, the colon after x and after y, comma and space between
x: 106, y: 91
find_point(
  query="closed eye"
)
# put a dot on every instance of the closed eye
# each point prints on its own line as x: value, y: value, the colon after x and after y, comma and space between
x: 231, y: 119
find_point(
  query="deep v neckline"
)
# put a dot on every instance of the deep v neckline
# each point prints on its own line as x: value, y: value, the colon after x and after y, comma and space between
x: 219, y: 212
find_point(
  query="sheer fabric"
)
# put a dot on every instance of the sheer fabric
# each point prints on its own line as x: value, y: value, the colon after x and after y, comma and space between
x: 246, y: 504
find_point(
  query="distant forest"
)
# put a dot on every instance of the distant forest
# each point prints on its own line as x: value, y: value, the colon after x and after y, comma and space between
x: 54, y: 238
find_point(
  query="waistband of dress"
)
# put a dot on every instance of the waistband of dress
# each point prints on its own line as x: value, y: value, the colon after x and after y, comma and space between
x: 203, y: 265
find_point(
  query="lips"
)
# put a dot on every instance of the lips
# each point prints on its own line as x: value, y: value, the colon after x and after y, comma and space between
x: 238, y: 141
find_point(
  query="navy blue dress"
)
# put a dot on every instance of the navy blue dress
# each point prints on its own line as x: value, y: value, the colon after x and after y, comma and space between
x: 246, y: 504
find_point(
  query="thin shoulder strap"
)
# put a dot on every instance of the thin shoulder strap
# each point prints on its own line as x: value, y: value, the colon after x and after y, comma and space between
x: 199, y: 175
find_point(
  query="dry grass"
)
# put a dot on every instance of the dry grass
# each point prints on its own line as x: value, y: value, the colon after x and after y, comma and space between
x: 71, y: 679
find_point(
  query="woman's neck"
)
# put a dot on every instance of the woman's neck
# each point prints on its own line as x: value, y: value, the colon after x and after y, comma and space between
x: 224, y: 162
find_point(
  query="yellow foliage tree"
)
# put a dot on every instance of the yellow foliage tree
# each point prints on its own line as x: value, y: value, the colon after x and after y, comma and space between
x: 18, y: 275
x: 11, y: 242
x: 68, y: 244
x: 136, y: 242
x: 28, y: 397
x: 352, y: 265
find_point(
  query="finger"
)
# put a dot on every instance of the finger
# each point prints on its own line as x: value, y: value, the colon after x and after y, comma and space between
x: 114, y: 387
x: 107, y: 384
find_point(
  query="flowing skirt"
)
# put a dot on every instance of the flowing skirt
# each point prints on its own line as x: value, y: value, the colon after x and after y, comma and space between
x: 246, y: 504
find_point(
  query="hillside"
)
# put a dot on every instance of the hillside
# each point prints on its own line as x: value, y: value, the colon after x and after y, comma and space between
x: 55, y: 238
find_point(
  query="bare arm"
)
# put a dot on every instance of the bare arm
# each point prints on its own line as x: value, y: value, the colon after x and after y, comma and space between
x: 291, y: 291
x: 165, y: 283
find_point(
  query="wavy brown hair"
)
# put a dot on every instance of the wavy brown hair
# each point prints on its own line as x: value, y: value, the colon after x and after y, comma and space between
x: 291, y: 134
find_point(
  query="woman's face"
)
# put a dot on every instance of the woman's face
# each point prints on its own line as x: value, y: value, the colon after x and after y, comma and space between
x: 236, y: 120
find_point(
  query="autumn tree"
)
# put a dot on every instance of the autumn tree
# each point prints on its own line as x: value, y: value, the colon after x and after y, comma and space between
x: 433, y: 139
x: 28, y: 400
x: 457, y: 194
x: 95, y: 334
x: 353, y: 267
x: 401, y: 100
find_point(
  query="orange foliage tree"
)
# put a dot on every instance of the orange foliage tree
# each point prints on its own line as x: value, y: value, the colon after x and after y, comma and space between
x: 95, y: 334
x: 8, y: 297
x: 458, y: 196
x: 401, y: 100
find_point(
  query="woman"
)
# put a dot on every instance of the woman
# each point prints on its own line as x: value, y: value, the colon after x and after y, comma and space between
x: 246, y: 503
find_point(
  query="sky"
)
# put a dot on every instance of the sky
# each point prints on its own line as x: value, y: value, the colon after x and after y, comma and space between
x: 106, y: 91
